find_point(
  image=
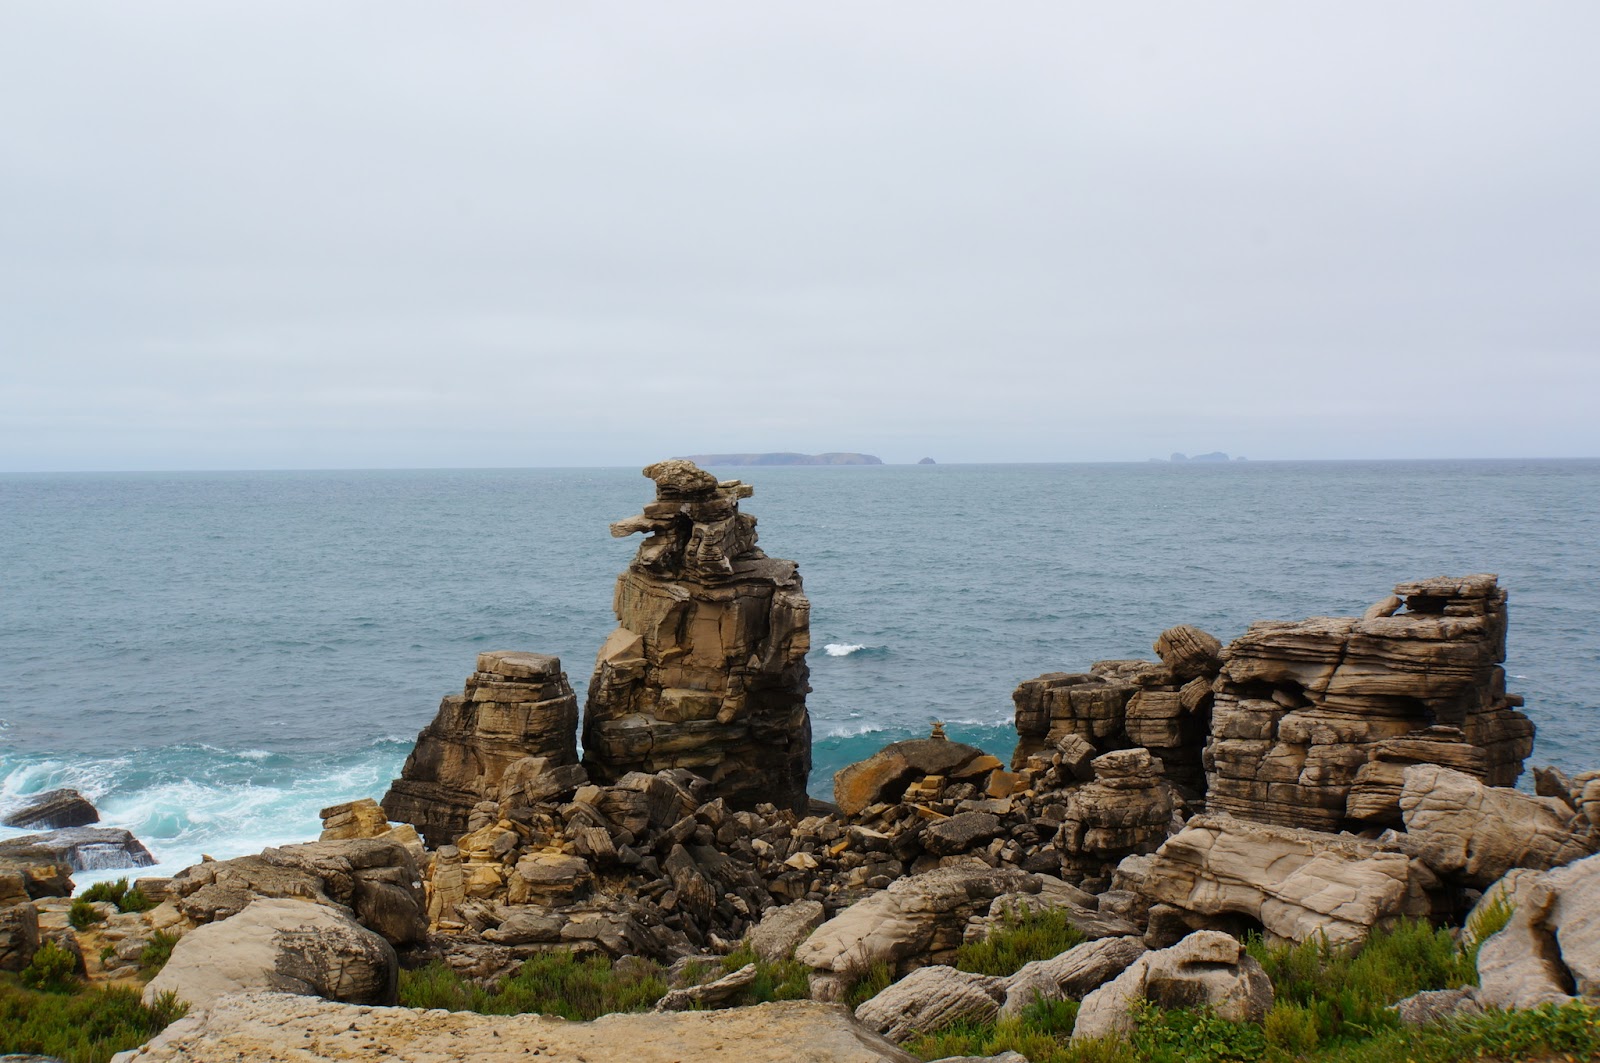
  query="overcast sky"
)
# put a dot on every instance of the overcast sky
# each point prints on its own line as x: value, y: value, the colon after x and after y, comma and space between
x: 393, y: 234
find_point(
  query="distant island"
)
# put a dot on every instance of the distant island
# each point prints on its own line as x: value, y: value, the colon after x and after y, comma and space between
x: 785, y: 458
x: 1215, y: 455
x: 926, y: 461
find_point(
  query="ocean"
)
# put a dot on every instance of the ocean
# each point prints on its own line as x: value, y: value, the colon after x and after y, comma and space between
x: 213, y: 657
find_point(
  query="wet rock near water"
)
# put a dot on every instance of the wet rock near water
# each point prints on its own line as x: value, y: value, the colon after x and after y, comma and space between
x: 51, y: 810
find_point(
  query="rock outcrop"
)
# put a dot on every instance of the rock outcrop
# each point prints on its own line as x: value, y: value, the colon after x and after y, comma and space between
x: 274, y: 1026
x: 1301, y: 708
x: 707, y: 668
x: 1549, y: 951
x: 52, y: 810
x: 515, y: 706
x: 1163, y: 707
x: 1127, y: 810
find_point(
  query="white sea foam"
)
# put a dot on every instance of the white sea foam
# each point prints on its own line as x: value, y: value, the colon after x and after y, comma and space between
x: 842, y: 649
x: 851, y: 730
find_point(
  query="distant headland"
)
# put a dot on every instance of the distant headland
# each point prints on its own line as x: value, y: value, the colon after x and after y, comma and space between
x: 1215, y: 455
x: 785, y: 458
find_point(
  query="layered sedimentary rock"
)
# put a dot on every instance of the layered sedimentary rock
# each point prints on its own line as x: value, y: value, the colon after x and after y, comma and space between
x: 1163, y: 707
x: 707, y: 669
x: 1126, y: 810
x: 1301, y: 708
x: 516, y: 705
x: 1297, y: 885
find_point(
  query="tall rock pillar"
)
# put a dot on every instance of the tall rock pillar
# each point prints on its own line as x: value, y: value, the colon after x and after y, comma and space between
x: 707, y: 670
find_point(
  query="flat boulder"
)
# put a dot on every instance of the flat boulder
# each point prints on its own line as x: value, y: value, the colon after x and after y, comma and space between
x: 930, y: 999
x: 282, y: 945
x: 1549, y: 951
x: 52, y: 809
x: 81, y: 848
x: 267, y: 1026
x: 1072, y: 975
x: 884, y: 776
x: 781, y: 930
x: 1298, y: 884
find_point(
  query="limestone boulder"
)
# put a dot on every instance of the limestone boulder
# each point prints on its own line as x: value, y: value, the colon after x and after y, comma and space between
x: 1549, y: 951
x: 1206, y: 969
x: 51, y: 810
x: 272, y: 1026
x: 1297, y: 884
x: 1477, y: 833
x: 1127, y: 809
x: 1189, y: 651
x: 515, y: 705
x: 1070, y: 976
x: 919, y: 918
x: 282, y: 945
x: 929, y: 999
x: 781, y: 930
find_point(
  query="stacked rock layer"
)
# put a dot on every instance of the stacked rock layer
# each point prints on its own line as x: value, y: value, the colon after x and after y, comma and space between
x: 516, y: 705
x: 1302, y: 709
x: 706, y: 670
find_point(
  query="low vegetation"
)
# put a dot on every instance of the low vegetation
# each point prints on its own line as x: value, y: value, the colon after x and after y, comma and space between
x: 1019, y: 939
x: 118, y: 893
x: 77, y: 1024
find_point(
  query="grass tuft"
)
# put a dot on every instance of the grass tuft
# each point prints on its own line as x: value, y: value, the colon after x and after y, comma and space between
x: 1018, y: 939
x: 88, y: 1026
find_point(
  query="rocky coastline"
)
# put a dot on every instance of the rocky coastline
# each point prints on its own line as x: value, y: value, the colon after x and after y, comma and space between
x: 1312, y: 781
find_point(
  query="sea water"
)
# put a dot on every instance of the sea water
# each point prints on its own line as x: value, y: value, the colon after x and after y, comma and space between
x: 213, y: 657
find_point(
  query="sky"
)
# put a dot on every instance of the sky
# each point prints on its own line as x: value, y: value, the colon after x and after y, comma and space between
x: 400, y: 234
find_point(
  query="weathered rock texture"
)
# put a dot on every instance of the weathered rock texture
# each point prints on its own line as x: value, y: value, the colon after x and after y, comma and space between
x: 707, y: 668
x: 1476, y: 833
x: 51, y: 810
x: 1204, y: 970
x: 516, y: 705
x: 1301, y: 708
x: 1165, y: 707
x: 1295, y: 884
x: 80, y: 848
x: 275, y: 1028
x: 1126, y: 810
x: 288, y: 946
x: 1549, y: 952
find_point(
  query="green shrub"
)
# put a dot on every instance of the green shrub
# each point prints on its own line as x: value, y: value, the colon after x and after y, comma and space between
x: 551, y: 983
x: 1485, y: 924
x: 53, y: 969
x: 785, y: 980
x: 82, y: 915
x: 1195, y: 1036
x: 156, y: 953
x: 1346, y: 992
x: 1040, y: 1033
x: 1020, y: 938
x: 118, y: 893
x: 864, y: 985
x: 86, y: 1027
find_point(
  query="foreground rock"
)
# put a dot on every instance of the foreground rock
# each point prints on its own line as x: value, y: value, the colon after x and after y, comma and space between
x: 51, y: 810
x: 286, y: 946
x: 707, y: 667
x: 269, y: 1027
x: 1204, y: 970
x: 80, y: 848
x: 1549, y: 952
x: 515, y: 706
x: 1296, y: 884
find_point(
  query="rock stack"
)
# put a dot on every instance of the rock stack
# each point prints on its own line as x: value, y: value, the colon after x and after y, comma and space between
x: 1127, y: 810
x: 1301, y: 708
x: 707, y: 669
x: 515, y: 706
x: 1163, y: 707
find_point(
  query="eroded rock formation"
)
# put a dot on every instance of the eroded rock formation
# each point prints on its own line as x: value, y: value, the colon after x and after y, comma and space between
x: 516, y: 705
x: 1301, y: 708
x: 707, y: 669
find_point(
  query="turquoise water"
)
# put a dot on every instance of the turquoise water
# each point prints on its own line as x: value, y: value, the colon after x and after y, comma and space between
x: 213, y: 657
